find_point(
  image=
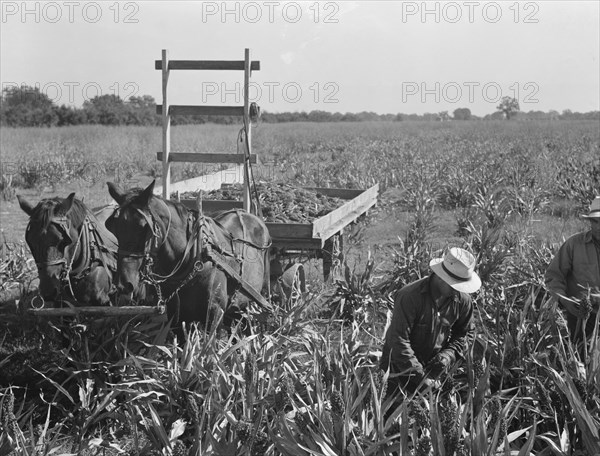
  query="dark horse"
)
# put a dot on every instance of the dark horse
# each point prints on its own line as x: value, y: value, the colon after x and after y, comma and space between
x: 76, y: 256
x: 174, y: 248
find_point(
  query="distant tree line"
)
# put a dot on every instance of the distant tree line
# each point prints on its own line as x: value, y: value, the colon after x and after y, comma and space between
x: 28, y: 107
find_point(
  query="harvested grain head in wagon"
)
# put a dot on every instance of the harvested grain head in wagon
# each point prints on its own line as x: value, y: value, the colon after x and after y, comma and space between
x: 279, y: 202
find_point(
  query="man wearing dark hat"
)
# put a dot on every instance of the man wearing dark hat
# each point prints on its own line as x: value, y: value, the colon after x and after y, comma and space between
x: 431, y: 323
x: 573, y: 276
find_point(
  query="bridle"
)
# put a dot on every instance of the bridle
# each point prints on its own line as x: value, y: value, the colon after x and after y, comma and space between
x: 64, y: 227
x: 152, y: 244
x: 152, y: 237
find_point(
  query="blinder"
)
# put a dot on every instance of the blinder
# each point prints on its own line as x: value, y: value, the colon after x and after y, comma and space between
x: 154, y: 235
x: 62, y: 224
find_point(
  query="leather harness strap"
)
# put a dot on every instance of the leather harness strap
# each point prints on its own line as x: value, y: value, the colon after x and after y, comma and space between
x: 217, y: 258
x: 89, y: 248
x: 201, y: 246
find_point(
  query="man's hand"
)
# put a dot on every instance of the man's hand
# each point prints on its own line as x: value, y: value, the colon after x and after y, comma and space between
x: 439, y: 364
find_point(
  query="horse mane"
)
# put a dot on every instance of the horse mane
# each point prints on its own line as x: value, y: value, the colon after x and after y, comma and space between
x: 49, y: 208
x: 130, y: 197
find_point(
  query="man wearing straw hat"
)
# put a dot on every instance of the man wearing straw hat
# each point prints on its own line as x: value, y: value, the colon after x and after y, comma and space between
x: 431, y: 323
x: 573, y: 276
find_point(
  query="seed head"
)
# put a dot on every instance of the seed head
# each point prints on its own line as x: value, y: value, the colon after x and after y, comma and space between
x: 378, y: 379
x: 337, y: 403
x: 8, y: 413
x: 179, y: 448
x: 581, y: 388
x: 419, y: 414
x: 502, y: 432
x: 326, y: 373
x: 461, y: 450
x: 260, y: 444
x: 284, y: 390
x: 449, y: 385
x: 423, y: 446
x: 384, y: 387
x: 192, y: 407
x: 8, y: 407
x: 249, y: 368
x: 543, y: 397
x: 243, y: 429
x: 556, y: 399
x: 448, y: 410
x: 281, y: 401
x: 494, y: 407
x: 302, y: 421
x: 287, y: 384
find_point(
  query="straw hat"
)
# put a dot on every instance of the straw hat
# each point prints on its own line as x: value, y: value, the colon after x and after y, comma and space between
x: 457, y: 269
x: 594, y: 209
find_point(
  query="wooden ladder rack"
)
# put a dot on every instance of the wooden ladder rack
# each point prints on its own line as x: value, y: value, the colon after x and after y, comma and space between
x: 167, y: 110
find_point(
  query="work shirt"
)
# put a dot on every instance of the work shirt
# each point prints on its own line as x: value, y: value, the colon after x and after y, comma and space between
x: 575, y: 268
x: 420, y: 329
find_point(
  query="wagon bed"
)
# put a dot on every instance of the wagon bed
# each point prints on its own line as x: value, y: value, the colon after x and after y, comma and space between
x: 307, y: 236
x: 321, y: 238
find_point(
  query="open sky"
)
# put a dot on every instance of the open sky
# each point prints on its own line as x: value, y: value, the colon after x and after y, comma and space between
x: 386, y: 57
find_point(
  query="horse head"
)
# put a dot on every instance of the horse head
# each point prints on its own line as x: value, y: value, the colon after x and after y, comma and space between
x: 136, y: 227
x: 52, y: 236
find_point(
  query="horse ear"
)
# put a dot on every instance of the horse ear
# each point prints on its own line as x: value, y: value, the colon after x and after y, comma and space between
x: 109, y: 223
x: 25, y: 205
x: 67, y: 203
x: 147, y: 194
x: 116, y: 193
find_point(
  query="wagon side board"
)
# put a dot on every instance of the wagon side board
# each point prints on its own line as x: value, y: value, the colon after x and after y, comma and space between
x: 207, y: 182
x: 308, y: 236
x: 334, y: 221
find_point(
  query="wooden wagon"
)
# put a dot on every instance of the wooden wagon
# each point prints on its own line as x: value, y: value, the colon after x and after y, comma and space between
x: 322, y: 238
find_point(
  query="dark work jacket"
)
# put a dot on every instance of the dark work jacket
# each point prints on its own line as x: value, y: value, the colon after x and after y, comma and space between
x: 575, y: 269
x: 419, y: 330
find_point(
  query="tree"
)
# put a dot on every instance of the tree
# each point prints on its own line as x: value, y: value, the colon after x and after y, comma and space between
x: 494, y: 116
x: 142, y: 111
x: 70, y: 116
x: 25, y: 106
x: 509, y: 107
x: 462, y: 114
x: 106, y: 110
x: 443, y: 116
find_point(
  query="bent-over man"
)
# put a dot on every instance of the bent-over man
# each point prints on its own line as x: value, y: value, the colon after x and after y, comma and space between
x: 431, y: 323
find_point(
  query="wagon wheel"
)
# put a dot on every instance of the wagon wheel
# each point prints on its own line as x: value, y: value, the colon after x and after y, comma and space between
x: 333, y: 255
x: 293, y: 283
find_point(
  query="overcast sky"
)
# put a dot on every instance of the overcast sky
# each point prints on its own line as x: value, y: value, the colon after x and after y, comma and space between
x: 387, y: 57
